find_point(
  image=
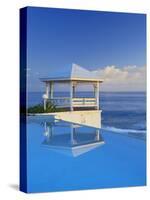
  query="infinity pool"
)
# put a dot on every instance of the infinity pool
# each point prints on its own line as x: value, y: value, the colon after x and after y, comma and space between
x: 65, y: 156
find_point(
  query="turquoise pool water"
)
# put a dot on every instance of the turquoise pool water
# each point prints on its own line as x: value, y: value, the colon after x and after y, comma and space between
x: 64, y: 156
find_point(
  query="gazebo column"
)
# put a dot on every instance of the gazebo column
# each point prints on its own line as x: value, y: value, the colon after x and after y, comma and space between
x: 47, y: 90
x: 73, y: 90
x: 51, y: 90
x: 71, y: 95
x: 47, y: 95
x: 96, y: 94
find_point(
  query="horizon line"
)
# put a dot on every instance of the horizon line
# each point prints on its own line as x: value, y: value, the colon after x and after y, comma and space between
x: 92, y: 91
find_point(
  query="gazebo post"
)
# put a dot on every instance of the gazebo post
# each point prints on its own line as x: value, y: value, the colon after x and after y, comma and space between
x: 73, y: 90
x: 51, y: 90
x: 71, y: 95
x: 47, y: 89
x: 47, y: 95
x: 96, y: 94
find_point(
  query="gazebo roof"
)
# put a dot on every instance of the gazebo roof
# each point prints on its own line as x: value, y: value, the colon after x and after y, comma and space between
x: 74, y: 72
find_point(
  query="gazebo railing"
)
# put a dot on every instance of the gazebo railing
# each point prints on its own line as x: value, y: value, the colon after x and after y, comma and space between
x: 76, y: 102
x: 84, y: 102
x: 60, y: 101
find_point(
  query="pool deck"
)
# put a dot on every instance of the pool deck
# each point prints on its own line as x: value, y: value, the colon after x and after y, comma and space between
x: 90, y: 118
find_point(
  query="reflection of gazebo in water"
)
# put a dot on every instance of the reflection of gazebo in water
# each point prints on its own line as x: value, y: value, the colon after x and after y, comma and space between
x: 74, y: 76
x: 72, y: 143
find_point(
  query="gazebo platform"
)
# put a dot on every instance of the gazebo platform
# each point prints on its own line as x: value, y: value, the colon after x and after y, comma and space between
x: 91, y: 118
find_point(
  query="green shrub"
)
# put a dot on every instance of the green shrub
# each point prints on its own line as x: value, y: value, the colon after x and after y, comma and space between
x: 39, y: 108
x: 50, y: 107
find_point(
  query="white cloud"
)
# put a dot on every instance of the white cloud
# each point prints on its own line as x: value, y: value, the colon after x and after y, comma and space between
x: 129, y: 78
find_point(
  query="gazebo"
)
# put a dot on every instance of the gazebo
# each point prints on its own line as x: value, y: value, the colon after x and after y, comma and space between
x: 74, y: 75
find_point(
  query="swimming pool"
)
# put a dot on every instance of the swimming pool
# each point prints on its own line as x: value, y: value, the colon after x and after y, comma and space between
x: 66, y: 156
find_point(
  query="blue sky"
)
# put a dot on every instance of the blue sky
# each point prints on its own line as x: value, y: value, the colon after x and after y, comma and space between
x: 92, y: 39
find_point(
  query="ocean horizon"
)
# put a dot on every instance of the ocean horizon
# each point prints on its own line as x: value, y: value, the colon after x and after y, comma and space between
x: 122, y: 112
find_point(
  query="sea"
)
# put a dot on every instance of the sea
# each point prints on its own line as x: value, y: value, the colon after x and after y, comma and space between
x: 63, y: 156
x: 122, y: 112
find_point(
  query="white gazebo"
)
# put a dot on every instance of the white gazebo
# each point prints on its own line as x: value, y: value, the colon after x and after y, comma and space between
x: 74, y: 76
